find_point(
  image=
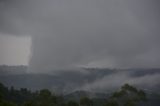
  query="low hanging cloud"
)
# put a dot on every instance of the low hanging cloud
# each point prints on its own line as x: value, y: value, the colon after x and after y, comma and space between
x: 69, y: 34
x: 116, y: 80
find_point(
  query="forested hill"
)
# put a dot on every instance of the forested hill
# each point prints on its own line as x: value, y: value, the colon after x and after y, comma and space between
x: 23, y: 89
x: 127, y: 95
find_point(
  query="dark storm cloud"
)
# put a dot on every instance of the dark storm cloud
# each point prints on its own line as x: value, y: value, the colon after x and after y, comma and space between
x: 71, y: 33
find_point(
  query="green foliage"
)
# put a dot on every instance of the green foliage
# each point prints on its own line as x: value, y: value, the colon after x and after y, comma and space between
x: 3, y: 91
x: 119, y: 94
x: 112, y: 103
x: 72, y: 103
x: 85, y: 101
x: 142, y: 95
x: 127, y: 87
x: 30, y: 103
x: 127, y: 96
x: 46, y: 99
x: 129, y: 103
x: 5, y: 103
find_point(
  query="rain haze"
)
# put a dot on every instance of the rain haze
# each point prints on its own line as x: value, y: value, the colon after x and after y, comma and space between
x: 66, y: 35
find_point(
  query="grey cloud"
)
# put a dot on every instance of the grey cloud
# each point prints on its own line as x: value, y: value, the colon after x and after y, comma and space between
x: 71, y: 33
x: 116, y: 80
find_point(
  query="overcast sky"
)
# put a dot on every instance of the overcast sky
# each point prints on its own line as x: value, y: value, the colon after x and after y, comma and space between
x: 73, y: 33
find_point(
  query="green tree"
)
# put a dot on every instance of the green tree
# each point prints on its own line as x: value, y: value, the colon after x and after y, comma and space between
x: 46, y: 98
x: 6, y: 103
x: 112, y: 103
x: 72, y: 103
x: 127, y: 96
x: 3, y: 91
x: 30, y: 103
x: 129, y: 103
x: 85, y: 101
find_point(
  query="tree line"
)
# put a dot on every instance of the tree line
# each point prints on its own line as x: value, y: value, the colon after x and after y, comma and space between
x: 126, y: 96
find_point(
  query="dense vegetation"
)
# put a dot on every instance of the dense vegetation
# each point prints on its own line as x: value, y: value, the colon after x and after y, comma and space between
x: 126, y: 96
